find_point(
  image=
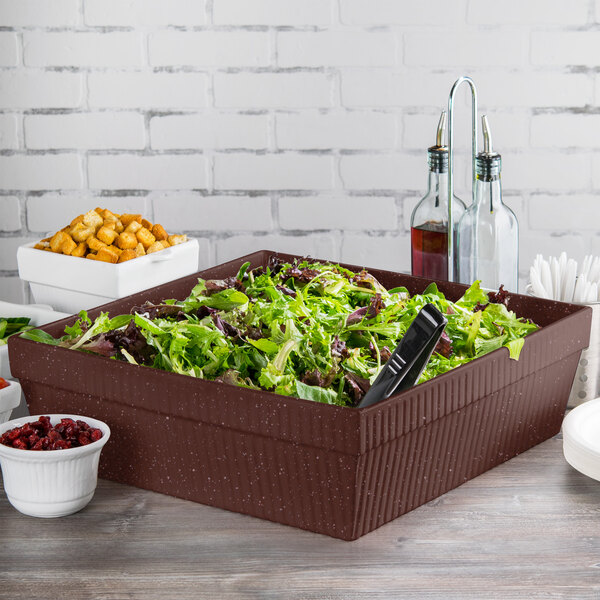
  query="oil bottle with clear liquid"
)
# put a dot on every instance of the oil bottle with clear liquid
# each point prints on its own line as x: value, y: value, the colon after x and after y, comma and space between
x: 429, y: 220
x: 488, y: 232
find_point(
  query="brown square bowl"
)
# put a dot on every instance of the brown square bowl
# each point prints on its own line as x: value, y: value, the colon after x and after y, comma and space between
x: 335, y: 470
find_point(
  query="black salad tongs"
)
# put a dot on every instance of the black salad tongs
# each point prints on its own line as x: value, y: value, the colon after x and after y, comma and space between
x: 410, y: 357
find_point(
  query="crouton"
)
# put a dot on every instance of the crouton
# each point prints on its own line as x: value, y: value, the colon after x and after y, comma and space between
x: 109, y: 237
x: 133, y: 227
x: 158, y: 231
x: 68, y: 245
x: 127, y: 218
x: 177, y: 239
x: 145, y: 237
x: 156, y: 247
x: 80, y: 232
x: 106, y: 235
x: 93, y: 219
x: 107, y: 254
x: 76, y: 220
x: 57, y: 241
x: 80, y: 250
x: 127, y: 255
x: 95, y: 244
x: 127, y: 240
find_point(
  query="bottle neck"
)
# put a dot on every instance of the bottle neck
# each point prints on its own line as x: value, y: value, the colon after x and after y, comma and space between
x: 488, y: 194
x: 437, y: 186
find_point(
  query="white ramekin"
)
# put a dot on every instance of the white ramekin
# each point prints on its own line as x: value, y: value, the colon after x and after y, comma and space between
x: 51, y: 483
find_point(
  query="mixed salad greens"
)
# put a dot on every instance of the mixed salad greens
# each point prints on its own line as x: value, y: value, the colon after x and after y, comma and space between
x: 11, y: 326
x: 313, y: 330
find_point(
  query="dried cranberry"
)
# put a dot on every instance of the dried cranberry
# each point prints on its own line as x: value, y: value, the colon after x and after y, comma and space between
x: 53, y: 435
x: 40, y: 435
x: 95, y: 434
x: 84, y: 439
x: 19, y: 443
x: 13, y: 434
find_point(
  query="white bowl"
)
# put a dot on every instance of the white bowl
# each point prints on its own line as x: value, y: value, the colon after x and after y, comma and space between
x: 39, y: 314
x: 9, y: 398
x: 71, y: 284
x: 51, y: 483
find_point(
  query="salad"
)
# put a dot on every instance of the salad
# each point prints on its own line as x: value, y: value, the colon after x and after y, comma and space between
x: 12, y: 325
x: 313, y: 330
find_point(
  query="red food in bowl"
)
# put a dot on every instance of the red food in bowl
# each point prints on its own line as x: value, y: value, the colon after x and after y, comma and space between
x: 3, y: 383
x: 41, y: 435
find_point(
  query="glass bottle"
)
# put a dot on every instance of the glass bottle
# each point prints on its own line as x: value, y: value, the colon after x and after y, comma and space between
x: 488, y: 233
x: 429, y: 219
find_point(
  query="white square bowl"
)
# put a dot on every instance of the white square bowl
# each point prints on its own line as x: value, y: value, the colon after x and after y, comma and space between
x: 9, y: 399
x: 39, y: 315
x: 72, y: 284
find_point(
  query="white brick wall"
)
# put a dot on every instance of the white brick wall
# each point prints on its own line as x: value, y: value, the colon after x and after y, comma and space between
x: 9, y: 132
x: 297, y: 125
x: 379, y: 12
x: 565, y: 48
x: 272, y: 12
x: 10, y: 214
x: 133, y: 172
x: 242, y: 213
x: 147, y: 90
x: 144, y: 13
x: 273, y: 90
x: 90, y: 130
x: 273, y: 172
x: 357, y: 130
x: 114, y: 49
x: 9, y: 49
x: 209, y: 49
x: 33, y: 88
x: 41, y: 172
x: 532, y: 12
x: 336, y: 49
x: 209, y: 131
x: 346, y: 214
x: 39, y: 13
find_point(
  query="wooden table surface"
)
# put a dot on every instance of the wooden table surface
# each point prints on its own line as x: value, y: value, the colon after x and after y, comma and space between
x: 527, y: 529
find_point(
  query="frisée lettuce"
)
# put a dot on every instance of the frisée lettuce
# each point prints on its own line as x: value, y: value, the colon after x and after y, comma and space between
x: 307, y: 329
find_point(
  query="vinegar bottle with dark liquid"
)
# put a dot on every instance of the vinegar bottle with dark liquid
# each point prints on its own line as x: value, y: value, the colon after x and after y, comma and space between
x: 429, y: 220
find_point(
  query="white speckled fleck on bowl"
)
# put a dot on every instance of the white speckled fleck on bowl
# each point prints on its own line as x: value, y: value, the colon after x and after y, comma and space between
x: 51, y: 483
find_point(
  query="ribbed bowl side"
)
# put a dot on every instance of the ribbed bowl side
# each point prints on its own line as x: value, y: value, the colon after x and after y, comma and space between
x: 50, y: 481
x: 278, y: 480
x: 399, y: 475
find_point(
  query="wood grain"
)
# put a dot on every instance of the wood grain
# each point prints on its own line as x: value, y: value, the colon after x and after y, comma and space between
x: 529, y: 528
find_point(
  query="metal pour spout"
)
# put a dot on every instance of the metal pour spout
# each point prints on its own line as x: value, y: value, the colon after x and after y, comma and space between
x: 487, y: 135
x: 441, y: 128
x: 488, y: 163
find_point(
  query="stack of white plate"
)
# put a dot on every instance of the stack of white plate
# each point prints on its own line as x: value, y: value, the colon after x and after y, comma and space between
x: 581, y: 438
